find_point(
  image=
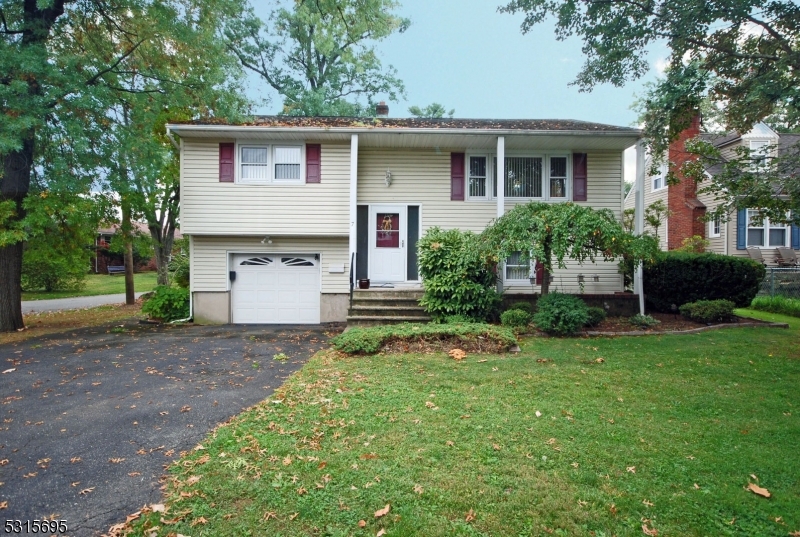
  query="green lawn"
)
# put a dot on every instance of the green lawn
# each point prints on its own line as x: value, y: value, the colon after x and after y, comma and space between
x: 99, y: 284
x: 594, y: 437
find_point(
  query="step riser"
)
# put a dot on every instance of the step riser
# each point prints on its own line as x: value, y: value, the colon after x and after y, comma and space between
x: 377, y: 322
x: 378, y: 303
x: 416, y: 295
x: 394, y: 312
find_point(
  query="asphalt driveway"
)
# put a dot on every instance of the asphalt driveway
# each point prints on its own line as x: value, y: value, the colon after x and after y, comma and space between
x: 91, y: 417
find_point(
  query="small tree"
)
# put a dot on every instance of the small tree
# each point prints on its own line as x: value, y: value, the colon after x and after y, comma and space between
x: 655, y: 214
x: 551, y: 232
x: 433, y: 110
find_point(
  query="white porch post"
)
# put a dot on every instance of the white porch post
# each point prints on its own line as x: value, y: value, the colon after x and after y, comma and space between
x: 499, y: 179
x: 353, y: 198
x: 638, y: 223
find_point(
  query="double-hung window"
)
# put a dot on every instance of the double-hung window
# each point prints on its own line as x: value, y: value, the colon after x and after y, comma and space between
x: 759, y: 153
x: 762, y: 233
x: 270, y: 163
x: 660, y: 180
x: 524, y: 176
x: 517, y: 268
x: 714, y: 227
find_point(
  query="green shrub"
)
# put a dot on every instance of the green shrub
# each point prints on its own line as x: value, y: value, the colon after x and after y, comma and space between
x: 596, y: 316
x: 51, y: 263
x: 515, y: 318
x: 560, y: 314
x: 708, y: 311
x: 643, y: 321
x: 777, y: 304
x: 179, y: 265
x: 168, y: 303
x: 458, y: 319
x: 458, y: 276
x: 522, y: 306
x: 679, y: 278
x: 370, y: 340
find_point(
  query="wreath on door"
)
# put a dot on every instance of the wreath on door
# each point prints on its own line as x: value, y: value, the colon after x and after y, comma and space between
x: 386, y: 228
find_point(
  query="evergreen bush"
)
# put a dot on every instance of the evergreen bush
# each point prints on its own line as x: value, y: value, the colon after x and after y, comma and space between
x: 560, y: 314
x: 708, y: 311
x: 596, y: 316
x: 515, y: 318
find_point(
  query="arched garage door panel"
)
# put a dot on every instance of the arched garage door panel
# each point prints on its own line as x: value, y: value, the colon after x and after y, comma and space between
x: 275, y: 289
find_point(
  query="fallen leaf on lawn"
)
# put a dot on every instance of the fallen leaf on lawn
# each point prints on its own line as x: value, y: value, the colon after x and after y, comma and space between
x: 381, y: 512
x: 754, y: 477
x: 647, y: 502
x: 449, y: 443
x: 761, y: 491
x: 292, y: 517
x: 362, y: 523
x: 322, y: 465
x: 86, y: 491
x: 270, y: 514
x: 193, y: 479
x: 380, y: 533
x: 418, y: 489
x: 481, y: 361
x: 429, y: 404
x: 496, y: 447
x: 470, y: 516
x: 795, y: 534
x: 649, y: 531
x: 301, y: 491
x: 457, y: 354
x: 631, y: 469
x: 287, y: 460
x: 538, y: 414
x: 158, y: 508
x: 171, y: 520
x: 198, y: 520
x: 600, y: 360
x: 366, y: 456
x: 613, y: 509
x: 132, y: 516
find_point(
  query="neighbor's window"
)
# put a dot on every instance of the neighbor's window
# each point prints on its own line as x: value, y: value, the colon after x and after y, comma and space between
x: 759, y: 152
x: 255, y: 165
x: 660, y: 180
x: 760, y: 232
x: 287, y: 163
x: 714, y: 227
x: 516, y: 268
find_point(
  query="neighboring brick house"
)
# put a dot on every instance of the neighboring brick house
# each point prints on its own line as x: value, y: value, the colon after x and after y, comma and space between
x: 689, y: 208
x: 277, y: 210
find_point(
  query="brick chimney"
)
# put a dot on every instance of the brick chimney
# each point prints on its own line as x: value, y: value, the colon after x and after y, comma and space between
x: 687, y: 210
x: 382, y: 110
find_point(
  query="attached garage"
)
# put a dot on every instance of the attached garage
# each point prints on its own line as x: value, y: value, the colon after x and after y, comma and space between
x: 275, y: 289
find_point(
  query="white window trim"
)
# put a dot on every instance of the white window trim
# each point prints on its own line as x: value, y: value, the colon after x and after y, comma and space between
x: 766, y: 226
x: 491, y: 173
x: 712, y: 224
x: 525, y: 281
x: 270, y: 146
x: 662, y: 176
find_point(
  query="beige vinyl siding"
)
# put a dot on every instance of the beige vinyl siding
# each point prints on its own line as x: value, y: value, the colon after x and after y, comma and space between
x: 209, y: 258
x: 423, y: 177
x: 211, y: 207
x: 717, y: 244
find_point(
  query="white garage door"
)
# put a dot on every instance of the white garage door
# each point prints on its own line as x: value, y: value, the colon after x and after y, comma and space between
x: 275, y: 289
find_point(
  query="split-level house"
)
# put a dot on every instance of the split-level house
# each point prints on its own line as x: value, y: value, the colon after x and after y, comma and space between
x: 285, y: 214
x: 688, y: 208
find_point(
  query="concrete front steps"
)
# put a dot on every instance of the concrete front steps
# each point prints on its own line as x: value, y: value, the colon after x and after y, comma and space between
x: 386, y: 306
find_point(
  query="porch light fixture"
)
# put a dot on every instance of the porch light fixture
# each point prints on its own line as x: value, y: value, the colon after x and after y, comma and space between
x: 595, y: 278
x: 581, y: 278
x: 388, y: 177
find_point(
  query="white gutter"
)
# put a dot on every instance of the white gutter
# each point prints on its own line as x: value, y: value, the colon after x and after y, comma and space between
x: 177, y: 128
x: 172, y: 139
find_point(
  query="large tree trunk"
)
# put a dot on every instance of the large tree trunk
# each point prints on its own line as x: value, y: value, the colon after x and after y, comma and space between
x: 163, y: 240
x: 14, y: 185
x: 548, y: 256
x: 127, y: 240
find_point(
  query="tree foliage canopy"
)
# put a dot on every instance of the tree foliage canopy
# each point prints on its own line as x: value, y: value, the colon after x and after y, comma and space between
x: 320, y: 56
x: 433, y: 110
x: 552, y: 232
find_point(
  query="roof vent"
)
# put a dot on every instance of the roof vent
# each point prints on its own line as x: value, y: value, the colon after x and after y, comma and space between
x: 382, y: 110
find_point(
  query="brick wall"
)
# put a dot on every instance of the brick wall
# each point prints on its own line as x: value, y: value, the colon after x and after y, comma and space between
x: 687, y: 211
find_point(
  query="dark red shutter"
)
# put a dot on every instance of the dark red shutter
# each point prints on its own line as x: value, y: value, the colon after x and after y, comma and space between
x: 539, y: 273
x: 457, y: 176
x: 226, y: 151
x: 579, y: 177
x: 313, y: 163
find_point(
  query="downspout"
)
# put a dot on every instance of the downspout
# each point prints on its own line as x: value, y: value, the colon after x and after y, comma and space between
x: 638, y: 278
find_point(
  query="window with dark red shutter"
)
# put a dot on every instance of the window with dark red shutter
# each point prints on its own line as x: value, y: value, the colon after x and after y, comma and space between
x: 579, y: 177
x: 457, y: 176
x: 226, y: 152
x: 313, y: 163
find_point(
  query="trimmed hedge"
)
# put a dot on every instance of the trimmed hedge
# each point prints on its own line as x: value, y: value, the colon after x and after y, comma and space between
x: 708, y: 311
x: 370, y: 340
x: 515, y: 318
x: 560, y: 314
x: 523, y: 306
x: 596, y: 316
x: 679, y: 278
x: 643, y: 321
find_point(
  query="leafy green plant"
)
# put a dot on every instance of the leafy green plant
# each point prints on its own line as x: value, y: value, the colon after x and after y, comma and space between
x: 281, y: 357
x: 515, y: 318
x: 179, y: 265
x: 369, y: 340
x: 523, y: 306
x: 458, y: 319
x: 168, y: 303
x: 678, y: 278
x: 459, y: 277
x: 596, y: 316
x: 777, y: 304
x: 643, y: 321
x: 694, y: 245
x: 708, y: 311
x: 560, y: 314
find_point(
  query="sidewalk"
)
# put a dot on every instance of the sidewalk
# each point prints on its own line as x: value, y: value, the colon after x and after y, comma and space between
x: 78, y: 302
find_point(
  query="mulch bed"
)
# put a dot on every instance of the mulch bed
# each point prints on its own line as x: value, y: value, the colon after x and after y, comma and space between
x: 445, y: 344
x: 669, y: 323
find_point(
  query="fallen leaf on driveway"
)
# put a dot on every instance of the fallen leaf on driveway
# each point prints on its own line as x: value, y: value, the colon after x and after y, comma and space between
x: 185, y: 408
x: 761, y: 491
x: 3, y: 505
x: 381, y: 512
x: 86, y: 491
x: 10, y: 370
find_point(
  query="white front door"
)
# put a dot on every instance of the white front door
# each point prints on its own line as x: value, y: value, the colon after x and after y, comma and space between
x: 387, y: 243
